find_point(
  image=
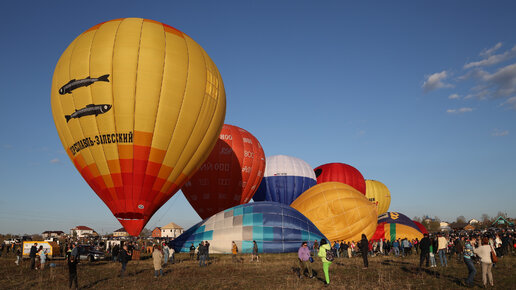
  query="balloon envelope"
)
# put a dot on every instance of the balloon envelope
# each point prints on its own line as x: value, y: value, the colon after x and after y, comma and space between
x: 230, y: 175
x: 138, y: 106
x: 340, y: 172
x: 421, y: 227
x: 285, y: 178
x: 338, y: 210
x: 394, y: 225
x: 378, y: 194
x: 276, y: 228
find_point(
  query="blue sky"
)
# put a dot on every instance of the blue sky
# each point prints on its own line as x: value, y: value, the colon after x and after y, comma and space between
x: 420, y: 95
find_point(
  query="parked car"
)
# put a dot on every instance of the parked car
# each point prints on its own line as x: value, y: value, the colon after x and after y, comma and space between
x: 87, y: 252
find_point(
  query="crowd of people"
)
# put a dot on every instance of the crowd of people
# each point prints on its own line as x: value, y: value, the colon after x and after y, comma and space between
x: 474, y: 249
x: 471, y: 248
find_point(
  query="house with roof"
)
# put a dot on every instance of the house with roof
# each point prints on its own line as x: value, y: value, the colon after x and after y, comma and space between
x: 82, y: 231
x: 121, y: 232
x: 156, y: 232
x: 52, y: 234
x: 501, y: 221
x: 171, y: 230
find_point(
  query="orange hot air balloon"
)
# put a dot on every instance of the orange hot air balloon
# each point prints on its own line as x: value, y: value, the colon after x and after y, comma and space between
x: 138, y: 106
x: 231, y: 174
x: 338, y: 210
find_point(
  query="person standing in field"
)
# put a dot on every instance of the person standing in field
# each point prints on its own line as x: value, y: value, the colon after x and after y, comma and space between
x: 114, y: 252
x: 442, y: 244
x: 207, y: 245
x: 172, y: 255
x: 468, y: 254
x: 234, y: 251
x: 484, y: 252
x: 157, y: 261
x: 364, y: 248
x: 166, y: 253
x: 255, y: 252
x: 125, y: 256
x: 18, y: 256
x: 202, y: 254
x: 424, y: 247
x: 316, y: 247
x: 326, y: 264
x: 32, y: 255
x: 304, y: 260
x: 192, y: 252
x: 72, y: 261
x: 42, y: 257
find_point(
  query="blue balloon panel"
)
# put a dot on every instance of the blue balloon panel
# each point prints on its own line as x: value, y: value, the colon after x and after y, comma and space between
x: 276, y: 228
x: 282, y: 189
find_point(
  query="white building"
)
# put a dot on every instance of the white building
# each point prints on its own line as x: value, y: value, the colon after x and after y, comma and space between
x: 473, y: 221
x: 445, y: 227
x: 121, y: 232
x: 171, y: 230
x: 82, y: 231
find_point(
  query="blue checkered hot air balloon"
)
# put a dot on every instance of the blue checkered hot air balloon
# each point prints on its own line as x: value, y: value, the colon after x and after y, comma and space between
x: 276, y: 228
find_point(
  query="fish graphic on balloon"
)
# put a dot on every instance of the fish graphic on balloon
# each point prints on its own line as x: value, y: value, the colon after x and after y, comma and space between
x: 75, y: 84
x: 90, y: 109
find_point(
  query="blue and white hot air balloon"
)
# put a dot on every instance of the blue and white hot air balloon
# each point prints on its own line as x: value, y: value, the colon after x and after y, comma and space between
x: 285, y: 179
x: 276, y: 228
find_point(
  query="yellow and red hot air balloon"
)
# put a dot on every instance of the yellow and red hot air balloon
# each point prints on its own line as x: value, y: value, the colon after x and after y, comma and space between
x: 394, y: 225
x: 231, y: 174
x: 138, y: 106
x: 378, y: 194
x: 338, y: 210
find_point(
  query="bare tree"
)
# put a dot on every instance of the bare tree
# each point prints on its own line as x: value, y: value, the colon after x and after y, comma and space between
x: 461, y: 219
x: 145, y: 233
x: 502, y: 214
x: 485, y: 218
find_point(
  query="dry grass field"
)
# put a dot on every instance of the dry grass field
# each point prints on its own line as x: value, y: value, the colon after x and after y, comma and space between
x: 274, y: 271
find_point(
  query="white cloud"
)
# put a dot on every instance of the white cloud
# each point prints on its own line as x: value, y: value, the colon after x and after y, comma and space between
x: 459, y: 111
x: 454, y: 96
x: 55, y: 160
x: 500, y: 133
x: 436, y: 81
x: 489, y: 51
x: 493, y: 59
x: 511, y: 103
x: 503, y: 81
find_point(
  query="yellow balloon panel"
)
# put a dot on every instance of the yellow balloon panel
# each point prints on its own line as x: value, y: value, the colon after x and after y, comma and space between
x: 338, y: 210
x: 138, y: 106
x: 393, y: 231
x: 378, y: 194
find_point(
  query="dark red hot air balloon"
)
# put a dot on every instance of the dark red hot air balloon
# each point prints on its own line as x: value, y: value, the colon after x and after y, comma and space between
x: 341, y: 172
x: 231, y: 174
x: 421, y: 227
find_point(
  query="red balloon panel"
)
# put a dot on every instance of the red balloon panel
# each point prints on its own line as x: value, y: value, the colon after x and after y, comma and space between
x: 231, y: 174
x: 340, y: 172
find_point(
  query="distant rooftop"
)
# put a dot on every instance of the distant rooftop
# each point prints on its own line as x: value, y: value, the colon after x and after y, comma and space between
x: 172, y: 226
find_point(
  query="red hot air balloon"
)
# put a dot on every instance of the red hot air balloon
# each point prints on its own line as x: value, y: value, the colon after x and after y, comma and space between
x: 231, y: 174
x: 341, y: 172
